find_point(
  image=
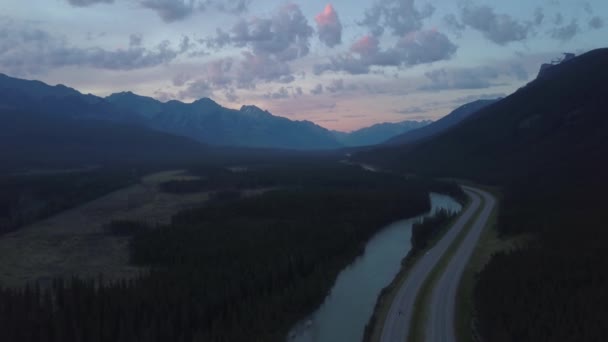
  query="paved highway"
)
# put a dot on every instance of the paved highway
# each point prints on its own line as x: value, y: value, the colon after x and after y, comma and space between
x: 397, y: 324
x: 440, y: 322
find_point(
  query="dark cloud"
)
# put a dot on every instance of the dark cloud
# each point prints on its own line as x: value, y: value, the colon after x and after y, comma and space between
x: 399, y: 16
x: 271, y: 43
x: 229, y: 6
x: 282, y: 93
x: 411, y: 110
x: 453, y: 24
x: 135, y: 40
x: 196, y: 90
x: 329, y: 26
x: 566, y: 32
x: 472, y: 98
x: 559, y: 19
x: 28, y: 51
x: 84, y: 3
x: 170, y: 10
x: 474, y: 78
x: 499, y: 28
x: 425, y: 47
x: 264, y: 68
x: 317, y: 90
x: 175, y: 10
x: 285, y: 35
x: 596, y: 23
x: 231, y: 95
x: 539, y: 16
x: 415, y: 48
x: 338, y: 86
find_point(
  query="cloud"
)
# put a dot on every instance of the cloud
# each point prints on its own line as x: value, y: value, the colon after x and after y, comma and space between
x: 264, y: 68
x: 426, y: 47
x: 470, y: 78
x: 453, y: 24
x: 196, y: 90
x: 270, y: 44
x: 474, y: 78
x: 338, y: 86
x: 230, y: 95
x: 596, y: 23
x: 170, y: 10
x: 411, y: 110
x: 421, y: 47
x: 230, y: 6
x: 317, y: 90
x: 181, y: 79
x: 559, y: 19
x: 175, y: 10
x: 399, y: 16
x: 473, y: 98
x: 539, y: 16
x: 499, y: 28
x: 285, y: 35
x: 566, y: 32
x: 84, y: 3
x: 329, y: 26
x: 135, y: 40
x: 217, y: 72
x: 282, y: 93
x: 25, y: 50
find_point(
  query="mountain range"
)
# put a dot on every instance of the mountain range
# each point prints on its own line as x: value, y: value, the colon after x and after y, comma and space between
x: 203, y: 120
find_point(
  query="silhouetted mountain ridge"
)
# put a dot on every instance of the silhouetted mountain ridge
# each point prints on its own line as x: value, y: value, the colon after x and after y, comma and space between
x: 378, y: 133
x: 441, y: 125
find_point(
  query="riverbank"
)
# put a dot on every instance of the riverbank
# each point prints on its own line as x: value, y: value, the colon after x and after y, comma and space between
x: 373, y: 329
x: 350, y: 303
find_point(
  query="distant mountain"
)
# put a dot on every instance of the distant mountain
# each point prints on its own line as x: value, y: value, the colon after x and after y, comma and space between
x: 203, y: 120
x: 36, y: 89
x: 378, y: 133
x: 41, y: 140
x: 441, y: 125
x: 211, y: 123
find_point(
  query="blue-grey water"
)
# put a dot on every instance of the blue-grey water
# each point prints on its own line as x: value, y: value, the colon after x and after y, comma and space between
x: 350, y: 304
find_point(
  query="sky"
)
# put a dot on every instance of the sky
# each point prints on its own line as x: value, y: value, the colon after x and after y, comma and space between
x: 344, y: 64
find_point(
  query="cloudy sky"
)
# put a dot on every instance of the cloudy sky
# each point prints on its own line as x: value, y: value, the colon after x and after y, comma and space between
x: 344, y: 64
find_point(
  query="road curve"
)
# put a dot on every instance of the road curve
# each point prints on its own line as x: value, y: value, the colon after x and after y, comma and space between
x: 440, y: 322
x: 397, y: 323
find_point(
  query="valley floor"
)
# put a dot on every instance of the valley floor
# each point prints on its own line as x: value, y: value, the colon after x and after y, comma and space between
x: 75, y: 242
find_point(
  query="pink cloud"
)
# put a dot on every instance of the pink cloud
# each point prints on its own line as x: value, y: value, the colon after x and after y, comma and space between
x: 329, y: 26
x: 366, y: 46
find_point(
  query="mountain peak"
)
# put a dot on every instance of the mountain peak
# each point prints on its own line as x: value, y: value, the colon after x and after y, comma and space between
x: 254, y: 111
x: 205, y: 101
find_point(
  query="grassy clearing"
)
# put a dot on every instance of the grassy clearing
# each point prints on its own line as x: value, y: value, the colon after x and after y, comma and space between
x: 75, y: 242
x: 387, y: 296
x: 421, y: 305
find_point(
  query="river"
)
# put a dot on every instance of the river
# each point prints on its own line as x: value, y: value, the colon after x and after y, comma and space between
x: 350, y: 304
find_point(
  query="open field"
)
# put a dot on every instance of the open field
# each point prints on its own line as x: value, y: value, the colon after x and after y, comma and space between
x: 74, y: 242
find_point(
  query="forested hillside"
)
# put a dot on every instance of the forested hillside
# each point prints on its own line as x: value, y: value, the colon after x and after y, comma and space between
x: 546, y: 146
